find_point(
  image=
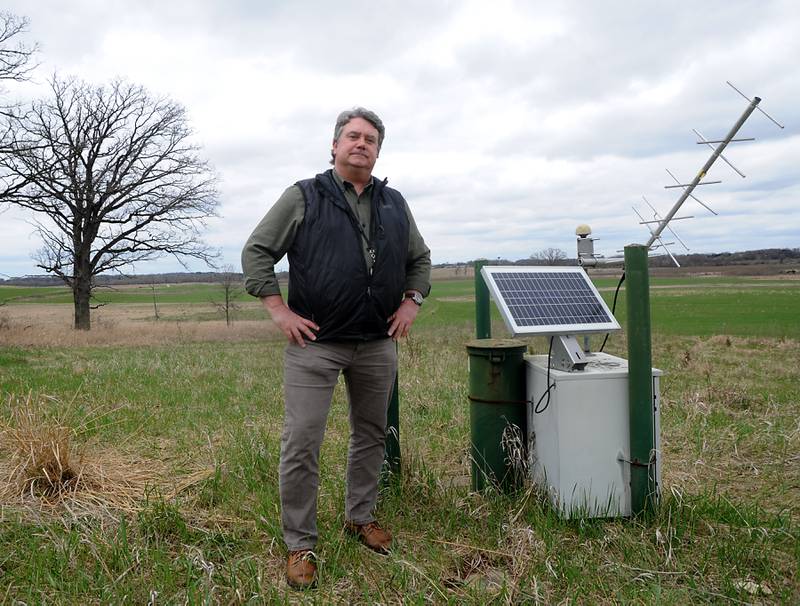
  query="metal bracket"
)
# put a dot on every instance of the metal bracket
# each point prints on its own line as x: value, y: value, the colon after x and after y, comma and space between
x: 567, y: 354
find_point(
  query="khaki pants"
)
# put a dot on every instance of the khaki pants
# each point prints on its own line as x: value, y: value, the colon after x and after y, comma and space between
x: 310, y: 375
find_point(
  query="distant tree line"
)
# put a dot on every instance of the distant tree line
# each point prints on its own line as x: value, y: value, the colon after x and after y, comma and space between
x: 556, y: 256
x: 123, y: 280
x: 749, y: 257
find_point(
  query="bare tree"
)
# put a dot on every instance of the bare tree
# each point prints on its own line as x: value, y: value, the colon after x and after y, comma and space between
x: 16, y: 62
x: 231, y: 283
x: 114, y: 177
x: 549, y: 256
x: 15, y: 54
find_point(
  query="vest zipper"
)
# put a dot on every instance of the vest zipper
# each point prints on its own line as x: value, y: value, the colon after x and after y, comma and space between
x: 345, y: 207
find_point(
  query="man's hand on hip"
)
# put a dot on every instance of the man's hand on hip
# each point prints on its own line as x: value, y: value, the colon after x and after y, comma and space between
x: 402, y: 319
x: 292, y: 325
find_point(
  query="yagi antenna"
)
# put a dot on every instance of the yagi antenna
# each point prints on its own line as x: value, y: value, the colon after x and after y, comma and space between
x: 658, y: 224
x: 717, y: 146
x: 692, y: 196
x: 710, y: 144
x: 756, y: 100
x: 657, y: 218
x: 661, y: 243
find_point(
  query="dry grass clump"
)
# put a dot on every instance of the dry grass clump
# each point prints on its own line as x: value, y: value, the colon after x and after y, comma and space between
x: 46, y: 464
x: 41, y: 463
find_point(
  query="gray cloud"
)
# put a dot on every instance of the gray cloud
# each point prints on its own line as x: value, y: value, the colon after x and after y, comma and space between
x: 508, y: 123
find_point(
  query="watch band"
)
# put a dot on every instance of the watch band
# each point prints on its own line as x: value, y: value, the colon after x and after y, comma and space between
x: 415, y: 296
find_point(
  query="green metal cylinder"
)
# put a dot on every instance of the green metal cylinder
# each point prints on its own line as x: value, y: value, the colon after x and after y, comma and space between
x: 498, y: 413
x: 483, y: 315
x: 640, y: 380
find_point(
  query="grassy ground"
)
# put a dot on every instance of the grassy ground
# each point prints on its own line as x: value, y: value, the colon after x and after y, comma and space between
x: 194, y: 427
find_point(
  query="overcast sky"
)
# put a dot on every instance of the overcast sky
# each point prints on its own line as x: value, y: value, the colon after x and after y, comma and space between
x: 507, y: 123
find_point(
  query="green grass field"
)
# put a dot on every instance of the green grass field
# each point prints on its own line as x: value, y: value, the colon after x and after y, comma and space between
x: 679, y: 306
x: 195, y: 428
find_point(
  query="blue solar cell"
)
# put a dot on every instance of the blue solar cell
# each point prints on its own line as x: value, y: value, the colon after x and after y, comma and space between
x: 536, y: 300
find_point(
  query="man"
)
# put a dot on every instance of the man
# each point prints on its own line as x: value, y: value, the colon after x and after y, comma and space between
x: 358, y: 272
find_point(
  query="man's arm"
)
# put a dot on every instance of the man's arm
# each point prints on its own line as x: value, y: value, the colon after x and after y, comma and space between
x: 264, y: 248
x: 418, y: 278
x: 269, y: 242
x: 418, y: 260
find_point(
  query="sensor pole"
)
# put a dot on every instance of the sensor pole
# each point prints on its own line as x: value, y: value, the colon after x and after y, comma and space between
x: 483, y: 314
x: 640, y: 381
x: 392, y: 457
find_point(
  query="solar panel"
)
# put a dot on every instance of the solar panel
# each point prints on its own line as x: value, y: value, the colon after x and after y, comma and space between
x: 548, y: 300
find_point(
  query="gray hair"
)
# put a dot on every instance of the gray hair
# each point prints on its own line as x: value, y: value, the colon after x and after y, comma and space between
x: 358, y: 112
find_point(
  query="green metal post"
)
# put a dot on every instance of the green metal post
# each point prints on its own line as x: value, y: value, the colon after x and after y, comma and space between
x: 391, y: 457
x: 483, y: 316
x: 640, y: 380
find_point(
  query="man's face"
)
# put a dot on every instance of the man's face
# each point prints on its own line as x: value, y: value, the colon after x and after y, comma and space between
x: 357, y: 147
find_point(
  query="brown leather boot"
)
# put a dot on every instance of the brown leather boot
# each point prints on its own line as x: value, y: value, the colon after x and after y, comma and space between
x: 301, y: 571
x: 372, y: 535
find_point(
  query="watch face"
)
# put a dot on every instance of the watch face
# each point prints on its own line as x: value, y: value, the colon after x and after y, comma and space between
x: 416, y: 297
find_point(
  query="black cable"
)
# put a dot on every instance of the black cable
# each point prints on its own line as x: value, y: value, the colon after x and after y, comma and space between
x: 550, y: 386
x: 614, y: 306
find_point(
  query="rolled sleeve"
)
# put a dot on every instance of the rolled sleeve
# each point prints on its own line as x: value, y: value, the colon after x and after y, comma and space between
x: 418, y: 261
x: 270, y: 240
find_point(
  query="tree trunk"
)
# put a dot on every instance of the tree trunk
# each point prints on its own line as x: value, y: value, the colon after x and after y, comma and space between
x: 82, y: 293
x: 155, y: 303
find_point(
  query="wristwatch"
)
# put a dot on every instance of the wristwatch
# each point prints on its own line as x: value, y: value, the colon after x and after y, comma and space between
x: 415, y: 296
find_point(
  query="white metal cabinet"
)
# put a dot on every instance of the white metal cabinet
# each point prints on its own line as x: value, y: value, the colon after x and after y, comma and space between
x: 578, y: 446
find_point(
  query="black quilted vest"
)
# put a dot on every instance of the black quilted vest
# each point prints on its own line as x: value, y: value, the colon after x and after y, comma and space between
x: 328, y: 278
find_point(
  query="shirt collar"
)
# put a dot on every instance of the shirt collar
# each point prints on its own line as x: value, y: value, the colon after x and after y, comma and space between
x: 345, y: 185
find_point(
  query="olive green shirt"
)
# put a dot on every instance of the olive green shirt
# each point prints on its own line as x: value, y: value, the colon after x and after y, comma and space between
x: 275, y: 234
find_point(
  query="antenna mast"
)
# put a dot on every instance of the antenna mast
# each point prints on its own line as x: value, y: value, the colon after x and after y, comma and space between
x: 586, y: 254
x: 689, y: 188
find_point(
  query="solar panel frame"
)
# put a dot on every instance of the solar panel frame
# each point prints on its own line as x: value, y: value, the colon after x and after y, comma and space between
x: 544, y: 300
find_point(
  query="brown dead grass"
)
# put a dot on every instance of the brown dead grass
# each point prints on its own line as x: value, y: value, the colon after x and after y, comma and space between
x: 123, y: 324
x: 47, y: 466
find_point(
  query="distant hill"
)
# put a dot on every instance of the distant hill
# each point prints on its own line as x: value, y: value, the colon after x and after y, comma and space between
x: 120, y: 280
x: 766, y: 256
x: 750, y: 257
